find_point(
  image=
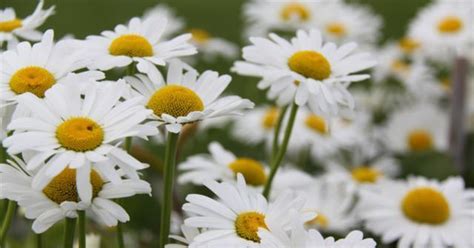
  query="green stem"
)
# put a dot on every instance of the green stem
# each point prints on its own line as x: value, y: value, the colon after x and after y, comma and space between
x: 69, y: 230
x: 11, y: 209
x: 39, y: 240
x: 281, y: 151
x: 276, y: 134
x: 82, y: 228
x: 168, y: 181
x: 120, y: 236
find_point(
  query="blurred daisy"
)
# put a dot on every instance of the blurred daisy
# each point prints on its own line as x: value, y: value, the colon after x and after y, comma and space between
x: 60, y: 198
x: 288, y: 177
x: 186, y: 97
x: 235, y: 219
x: 35, y: 69
x: 140, y: 42
x: 174, y: 23
x: 417, y: 128
x: 264, y: 16
x: 12, y: 28
x: 340, y: 22
x: 305, y: 71
x: 189, y: 233
x: 211, y: 47
x: 446, y: 29
x: 92, y: 241
x: 70, y: 130
x: 221, y: 165
x: 420, y: 212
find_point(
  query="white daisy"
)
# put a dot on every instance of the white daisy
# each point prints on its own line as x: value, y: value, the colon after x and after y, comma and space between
x: 36, y: 68
x: 174, y: 23
x: 445, y: 27
x: 417, y: 128
x: 60, y: 198
x: 68, y: 129
x: 140, y: 42
x: 305, y: 70
x: 221, y: 165
x: 290, y: 178
x: 234, y: 220
x: 186, y: 97
x: 12, y: 27
x: 211, y: 47
x: 420, y: 212
x: 189, y: 233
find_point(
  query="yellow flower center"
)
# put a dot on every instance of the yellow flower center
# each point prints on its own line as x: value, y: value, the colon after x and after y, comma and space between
x: 446, y: 83
x: 63, y: 187
x: 8, y: 26
x: 365, y: 174
x: 426, y: 205
x: 420, y: 140
x: 200, y: 36
x: 310, y: 64
x: 33, y: 79
x: 80, y: 134
x: 408, y: 45
x: 131, y: 45
x: 400, y: 66
x: 247, y: 224
x: 252, y: 170
x: 270, y: 118
x: 337, y: 29
x: 317, y: 123
x: 450, y: 24
x: 175, y: 100
x: 295, y: 10
x: 320, y: 220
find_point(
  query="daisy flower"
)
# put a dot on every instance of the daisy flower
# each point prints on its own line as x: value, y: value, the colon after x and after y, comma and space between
x: 221, y: 165
x: 12, y: 27
x: 70, y: 130
x: 36, y: 68
x: 305, y: 70
x: 174, y: 23
x: 212, y: 47
x: 417, y: 128
x: 264, y: 16
x: 60, y: 198
x: 140, y: 42
x: 340, y: 22
x: 420, y: 212
x: 234, y: 219
x: 189, y: 233
x: 186, y: 97
x: 446, y: 29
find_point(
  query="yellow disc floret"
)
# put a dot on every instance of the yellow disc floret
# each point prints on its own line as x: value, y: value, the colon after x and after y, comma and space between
x: 80, y: 134
x: 320, y: 220
x: 316, y: 123
x: 450, y: 24
x: 310, y: 64
x: 365, y: 174
x: 252, y: 170
x: 408, y: 45
x: 63, y: 187
x: 200, y: 36
x: 420, y: 140
x: 33, y: 79
x: 8, y: 26
x: 336, y: 28
x: 297, y: 10
x: 426, y: 206
x: 131, y: 45
x: 270, y: 118
x: 247, y: 224
x: 175, y: 100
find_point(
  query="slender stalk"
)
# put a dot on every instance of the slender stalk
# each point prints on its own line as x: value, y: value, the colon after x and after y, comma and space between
x: 39, y: 240
x: 281, y: 151
x: 69, y: 230
x: 276, y: 134
x: 82, y: 228
x: 7, y: 221
x: 168, y: 181
x: 120, y: 240
x: 457, y: 130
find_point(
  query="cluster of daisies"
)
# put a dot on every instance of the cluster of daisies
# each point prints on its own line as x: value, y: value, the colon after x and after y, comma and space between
x: 341, y: 111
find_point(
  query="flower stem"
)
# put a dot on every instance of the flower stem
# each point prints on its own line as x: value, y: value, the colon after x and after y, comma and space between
x: 39, y: 240
x: 120, y: 235
x: 276, y: 134
x: 11, y: 209
x: 168, y: 181
x: 281, y: 151
x: 82, y: 229
x: 69, y: 230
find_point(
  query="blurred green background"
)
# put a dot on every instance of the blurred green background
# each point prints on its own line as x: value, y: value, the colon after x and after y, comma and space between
x: 221, y: 18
